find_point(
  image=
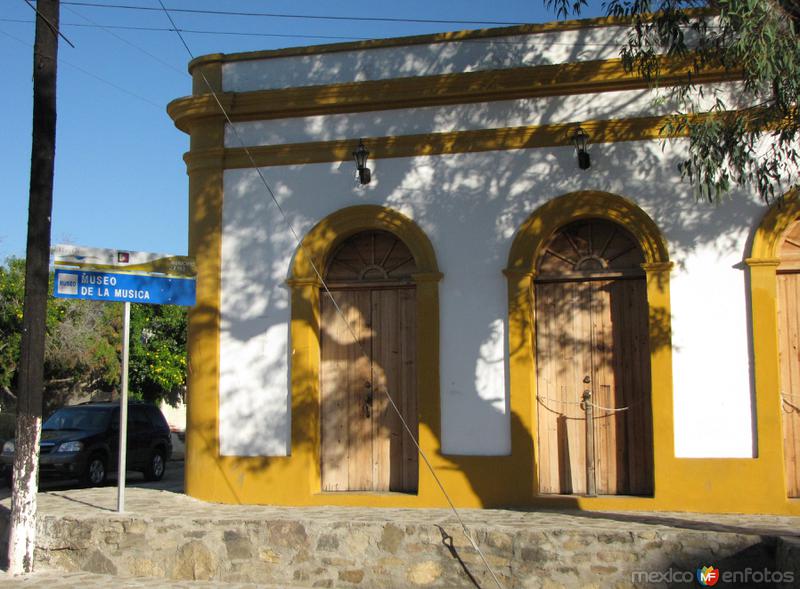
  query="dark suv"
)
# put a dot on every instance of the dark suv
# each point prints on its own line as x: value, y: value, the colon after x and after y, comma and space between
x: 82, y: 442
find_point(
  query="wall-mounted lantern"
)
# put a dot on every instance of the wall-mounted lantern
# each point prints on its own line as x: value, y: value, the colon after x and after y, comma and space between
x: 580, y: 138
x: 360, y: 155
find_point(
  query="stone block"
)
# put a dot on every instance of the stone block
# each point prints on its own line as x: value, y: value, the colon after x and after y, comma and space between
x: 288, y: 534
x: 391, y: 538
x: 353, y: 576
x: 328, y: 543
x: 195, y: 562
x: 237, y: 545
x: 424, y: 573
x: 98, y: 563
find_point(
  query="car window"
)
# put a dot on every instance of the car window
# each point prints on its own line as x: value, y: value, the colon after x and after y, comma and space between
x: 137, y: 419
x: 78, y: 418
x: 157, y: 418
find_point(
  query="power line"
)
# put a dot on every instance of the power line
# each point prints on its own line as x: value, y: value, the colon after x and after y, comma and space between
x: 194, y: 31
x: 298, y: 16
x: 124, y: 40
x: 527, y: 42
x: 339, y: 311
x: 90, y: 74
x: 49, y: 24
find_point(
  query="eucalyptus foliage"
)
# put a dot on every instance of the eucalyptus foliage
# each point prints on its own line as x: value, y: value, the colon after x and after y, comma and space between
x: 753, y: 143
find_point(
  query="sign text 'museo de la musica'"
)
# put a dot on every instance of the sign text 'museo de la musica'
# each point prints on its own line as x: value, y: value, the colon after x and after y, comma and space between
x: 123, y: 276
x: 133, y: 288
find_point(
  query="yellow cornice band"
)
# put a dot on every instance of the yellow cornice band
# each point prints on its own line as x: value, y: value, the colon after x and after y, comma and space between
x: 559, y: 134
x: 402, y: 93
x: 449, y: 37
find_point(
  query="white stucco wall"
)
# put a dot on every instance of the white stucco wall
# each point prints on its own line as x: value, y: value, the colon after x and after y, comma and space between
x: 424, y: 60
x: 470, y: 206
x: 468, y: 117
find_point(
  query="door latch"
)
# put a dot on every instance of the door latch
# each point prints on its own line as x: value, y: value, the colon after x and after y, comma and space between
x: 368, y: 405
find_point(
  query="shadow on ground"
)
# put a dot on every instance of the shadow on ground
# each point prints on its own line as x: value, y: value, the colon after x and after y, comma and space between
x: 172, y: 481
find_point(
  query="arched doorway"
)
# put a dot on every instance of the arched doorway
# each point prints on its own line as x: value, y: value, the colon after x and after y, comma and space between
x: 788, y: 277
x: 364, y: 446
x: 592, y: 334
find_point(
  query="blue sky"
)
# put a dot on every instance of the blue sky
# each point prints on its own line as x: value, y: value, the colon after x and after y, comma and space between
x: 120, y: 179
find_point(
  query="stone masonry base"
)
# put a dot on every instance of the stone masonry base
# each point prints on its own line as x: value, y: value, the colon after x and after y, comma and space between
x: 171, y: 536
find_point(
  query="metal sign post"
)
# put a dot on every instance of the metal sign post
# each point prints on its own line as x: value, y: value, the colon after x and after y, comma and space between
x: 128, y: 277
x: 123, y: 409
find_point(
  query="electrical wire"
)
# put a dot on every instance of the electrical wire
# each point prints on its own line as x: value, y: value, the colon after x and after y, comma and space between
x: 525, y: 42
x: 338, y: 309
x: 296, y: 16
x: 49, y: 24
x: 124, y: 40
x: 90, y: 74
x: 193, y: 31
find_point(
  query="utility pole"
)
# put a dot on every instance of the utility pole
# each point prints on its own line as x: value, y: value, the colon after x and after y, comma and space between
x: 22, y: 538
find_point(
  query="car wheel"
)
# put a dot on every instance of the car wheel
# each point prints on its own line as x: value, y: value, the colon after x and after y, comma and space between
x: 95, y: 471
x: 156, y: 466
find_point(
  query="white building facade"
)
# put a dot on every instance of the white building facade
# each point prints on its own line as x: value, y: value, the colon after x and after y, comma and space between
x: 481, y: 279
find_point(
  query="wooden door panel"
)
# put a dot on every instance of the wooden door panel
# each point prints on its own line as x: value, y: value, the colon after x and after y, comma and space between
x: 632, y: 429
x: 394, y: 351
x: 603, y: 387
x: 364, y: 446
x: 789, y: 338
x: 385, y: 425
x: 407, y: 308
x: 596, y: 328
x: 333, y: 387
x: 563, y: 328
x: 346, y: 434
x: 636, y: 394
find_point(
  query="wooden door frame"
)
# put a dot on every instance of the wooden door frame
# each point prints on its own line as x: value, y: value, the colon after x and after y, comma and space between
x: 763, y: 265
x: 311, y: 258
x: 528, y: 245
x: 590, y: 284
x: 373, y: 289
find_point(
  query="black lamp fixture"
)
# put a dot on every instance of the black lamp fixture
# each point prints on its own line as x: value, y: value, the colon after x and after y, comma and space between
x: 360, y: 155
x: 580, y: 138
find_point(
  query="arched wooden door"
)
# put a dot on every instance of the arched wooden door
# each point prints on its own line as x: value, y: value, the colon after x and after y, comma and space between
x: 364, y: 445
x: 789, y: 338
x: 592, y: 334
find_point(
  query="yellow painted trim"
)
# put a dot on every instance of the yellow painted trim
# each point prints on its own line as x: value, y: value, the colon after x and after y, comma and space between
x: 537, y: 229
x: 763, y: 265
x: 401, y: 93
x: 710, y: 485
x: 705, y: 485
x: 608, y: 131
x: 203, y: 476
x: 476, y: 35
x: 776, y: 221
x: 328, y: 233
x: 527, y: 248
x: 311, y: 259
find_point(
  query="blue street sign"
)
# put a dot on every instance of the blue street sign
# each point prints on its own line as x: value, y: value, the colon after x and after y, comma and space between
x: 132, y: 288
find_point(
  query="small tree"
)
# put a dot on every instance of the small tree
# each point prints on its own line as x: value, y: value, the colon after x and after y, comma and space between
x: 83, y: 344
x: 158, y: 352
x: 12, y: 290
x: 81, y: 341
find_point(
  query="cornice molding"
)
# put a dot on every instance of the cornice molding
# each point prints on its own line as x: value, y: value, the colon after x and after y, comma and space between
x: 456, y: 36
x: 401, y: 93
x: 609, y: 131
